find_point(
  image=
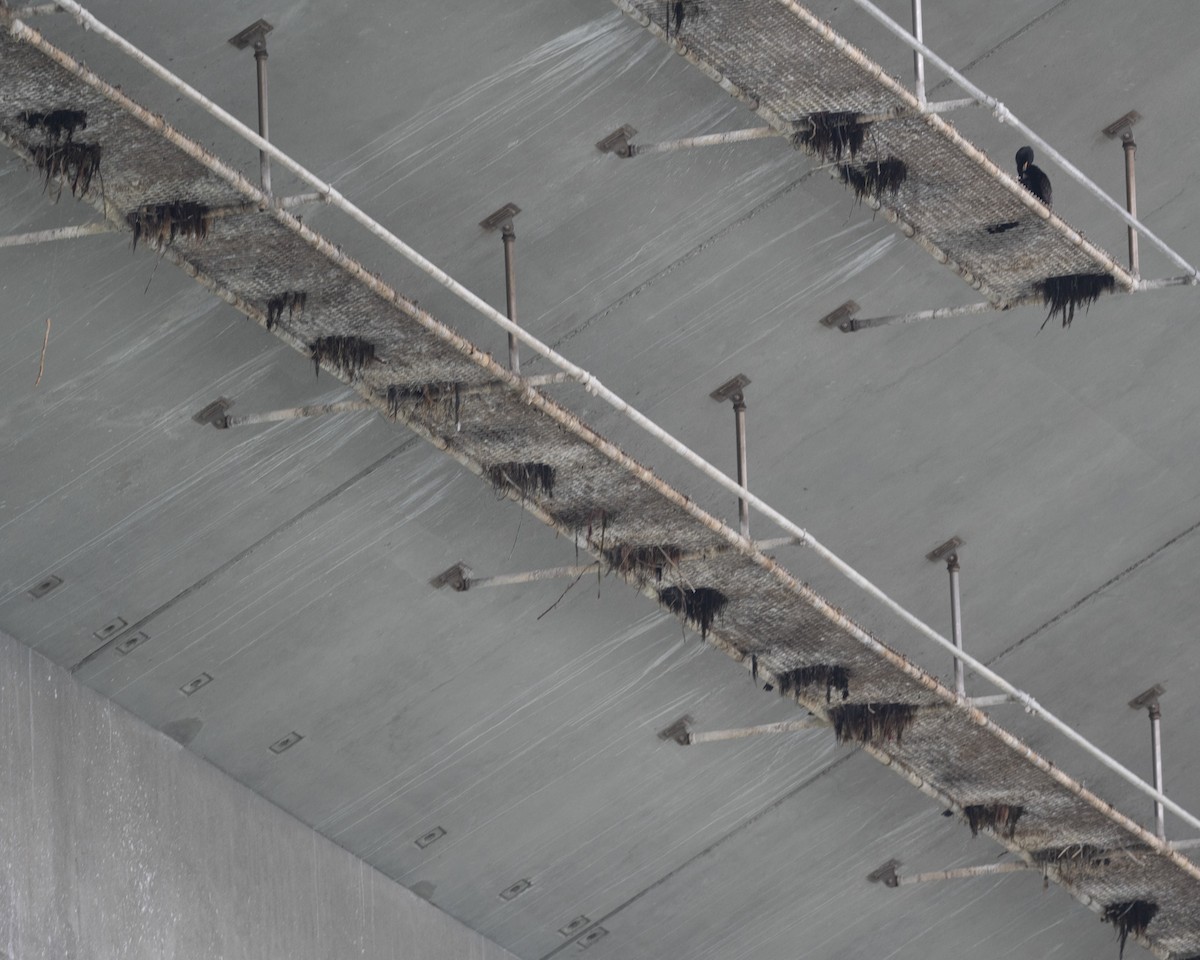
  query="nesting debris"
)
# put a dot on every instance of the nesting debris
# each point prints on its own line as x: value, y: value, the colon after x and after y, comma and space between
x: 528, y: 479
x: 1074, y: 862
x: 640, y: 563
x: 1003, y: 227
x: 874, y: 177
x: 433, y: 400
x: 57, y: 124
x: 292, y: 301
x: 832, y: 677
x: 1131, y: 916
x: 699, y: 607
x: 73, y: 163
x: 831, y: 136
x: 1063, y: 294
x: 1000, y: 818
x: 349, y: 355
x: 160, y: 223
x: 871, y: 723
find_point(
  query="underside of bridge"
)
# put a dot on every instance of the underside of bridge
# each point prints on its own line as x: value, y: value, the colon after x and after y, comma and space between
x: 275, y: 483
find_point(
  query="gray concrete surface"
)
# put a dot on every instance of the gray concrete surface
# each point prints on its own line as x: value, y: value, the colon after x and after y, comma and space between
x: 117, y: 843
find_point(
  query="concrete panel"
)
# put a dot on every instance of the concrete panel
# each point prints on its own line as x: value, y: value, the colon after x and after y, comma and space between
x: 119, y: 843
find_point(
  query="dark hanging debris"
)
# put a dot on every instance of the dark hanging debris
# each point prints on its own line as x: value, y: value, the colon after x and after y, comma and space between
x: 57, y: 124
x: 1002, y: 227
x: 871, y: 723
x: 292, y: 301
x: 831, y: 677
x: 1063, y: 294
x: 831, y: 136
x: 1075, y: 861
x: 70, y: 162
x: 698, y: 607
x: 431, y: 399
x: 528, y: 479
x: 640, y: 563
x: 159, y: 224
x: 1000, y: 818
x: 1131, y: 916
x: 349, y: 355
x: 874, y: 177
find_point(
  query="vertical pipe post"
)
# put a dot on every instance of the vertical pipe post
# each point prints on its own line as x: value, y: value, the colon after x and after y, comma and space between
x: 918, y: 59
x: 509, y: 236
x: 960, y: 684
x: 739, y: 416
x: 1160, y: 829
x: 255, y: 35
x: 1131, y: 197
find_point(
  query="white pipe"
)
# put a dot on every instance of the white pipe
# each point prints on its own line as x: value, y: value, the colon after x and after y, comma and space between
x: 596, y: 388
x: 58, y: 233
x: 531, y: 576
x: 965, y: 873
x: 705, y: 140
x: 1004, y: 115
x: 737, y: 733
x: 918, y: 31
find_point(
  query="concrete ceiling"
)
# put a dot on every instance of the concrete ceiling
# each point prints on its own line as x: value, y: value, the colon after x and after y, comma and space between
x: 291, y: 562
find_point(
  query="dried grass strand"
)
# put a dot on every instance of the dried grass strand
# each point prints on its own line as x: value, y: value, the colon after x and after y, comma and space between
x: 830, y: 676
x: 699, y: 606
x: 1000, y: 818
x: 1130, y: 917
x: 160, y: 224
x: 528, y: 479
x: 874, y: 178
x: 831, y: 136
x: 1062, y: 295
x: 348, y: 355
x: 872, y: 723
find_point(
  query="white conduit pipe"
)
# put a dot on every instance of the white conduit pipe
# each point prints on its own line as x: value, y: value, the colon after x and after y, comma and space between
x: 1004, y: 115
x: 596, y: 388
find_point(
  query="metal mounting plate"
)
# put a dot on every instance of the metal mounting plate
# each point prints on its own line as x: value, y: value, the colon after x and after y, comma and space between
x: 1122, y: 125
x: 618, y: 141
x: 255, y: 34
x: 1148, y: 697
x: 944, y: 550
x: 502, y: 216
x: 835, y: 318
x: 731, y: 388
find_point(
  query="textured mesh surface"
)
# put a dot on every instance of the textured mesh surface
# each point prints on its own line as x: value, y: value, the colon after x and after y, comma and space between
x: 600, y: 494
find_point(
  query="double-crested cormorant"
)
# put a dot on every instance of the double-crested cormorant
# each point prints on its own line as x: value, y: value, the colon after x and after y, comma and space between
x: 1033, y: 178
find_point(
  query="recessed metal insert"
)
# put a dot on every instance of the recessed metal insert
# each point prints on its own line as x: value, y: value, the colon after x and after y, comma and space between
x: 839, y: 316
x: 255, y: 34
x: 678, y: 731
x: 193, y: 685
x: 131, y: 642
x: 433, y: 836
x: 886, y: 874
x: 214, y: 413
x: 574, y: 926
x: 1143, y: 700
x: 944, y: 550
x: 111, y: 629
x: 457, y: 576
x: 286, y: 743
x: 502, y: 216
x: 1122, y: 125
x: 514, y: 891
x: 591, y: 937
x: 40, y: 589
x: 731, y: 388
x: 618, y: 141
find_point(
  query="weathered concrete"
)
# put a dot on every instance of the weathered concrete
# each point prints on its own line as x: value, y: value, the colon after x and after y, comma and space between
x: 119, y: 843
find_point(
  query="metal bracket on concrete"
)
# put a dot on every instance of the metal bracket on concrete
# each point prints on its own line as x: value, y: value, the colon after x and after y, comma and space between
x: 214, y: 413
x: 256, y: 35
x: 459, y: 576
x: 618, y: 142
x: 735, y: 390
x: 835, y: 318
x: 1148, y: 701
x: 502, y: 220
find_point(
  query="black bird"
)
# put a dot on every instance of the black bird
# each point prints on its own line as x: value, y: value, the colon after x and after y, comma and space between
x: 1033, y: 178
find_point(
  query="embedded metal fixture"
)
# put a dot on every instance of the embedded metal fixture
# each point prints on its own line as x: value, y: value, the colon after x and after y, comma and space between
x: 457, y: 576
x: 131, y: 642
x: 502, y: 219
x: 574, y: 926
x: 214, y: 413
x: 960, y: 684
x: 433, y: 836
x: 734, y: 390
x: 678, y: 731
x: 193, y: 685
x: 515, y: 890
x: 286, y: 743
x: 944, y: 550
x: 886, y: 874
x: 835, y: 318
x: 591, y: 937
x: 111, y: 629
x: 618, y: 142
x: 43, y: 587
x: 256, y: 34
x: 1122, y: 125
x: 1148, y: 701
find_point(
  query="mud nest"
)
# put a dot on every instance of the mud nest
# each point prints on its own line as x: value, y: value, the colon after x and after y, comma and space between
x: 527, y: 479
x: 829, y: 676
x: 160, y: 224
x: 699, y: 607
x: 73, y: 163
x: 1061, y: 295
x: 871, y: 723
x: 874, y: 178
x: 640, y: 563
x: 431, y: 400
x: 831, y: 136
x: 292, y: 302
x: 348, y: 355
x: 1000, y: 818
x: 1130, y: 917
